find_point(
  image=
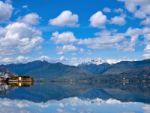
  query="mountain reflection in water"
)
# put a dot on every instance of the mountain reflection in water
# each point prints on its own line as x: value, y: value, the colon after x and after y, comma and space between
x: 45, y: 91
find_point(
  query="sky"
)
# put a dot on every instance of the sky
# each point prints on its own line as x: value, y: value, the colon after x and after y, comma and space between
x: 74, y: 31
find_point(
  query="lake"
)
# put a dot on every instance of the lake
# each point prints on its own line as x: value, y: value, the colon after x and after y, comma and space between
x: 67, y: 97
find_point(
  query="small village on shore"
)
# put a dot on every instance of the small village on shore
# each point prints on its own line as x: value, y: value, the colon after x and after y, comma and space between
x: 13, y: 80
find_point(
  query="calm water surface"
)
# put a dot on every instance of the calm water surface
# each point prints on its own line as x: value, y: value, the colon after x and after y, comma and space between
x: 74, y: 97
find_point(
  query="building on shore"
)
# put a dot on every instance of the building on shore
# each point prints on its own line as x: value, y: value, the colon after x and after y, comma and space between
x: 20, y: 81
x: 17, y: 81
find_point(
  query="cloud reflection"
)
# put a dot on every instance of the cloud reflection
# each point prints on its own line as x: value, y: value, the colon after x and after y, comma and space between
x: 73, y: 105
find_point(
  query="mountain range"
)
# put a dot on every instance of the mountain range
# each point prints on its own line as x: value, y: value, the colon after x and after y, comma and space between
x: 46, y: 70
x: 43, y: 69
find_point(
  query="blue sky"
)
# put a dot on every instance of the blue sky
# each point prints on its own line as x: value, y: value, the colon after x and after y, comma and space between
x: 61, y: 30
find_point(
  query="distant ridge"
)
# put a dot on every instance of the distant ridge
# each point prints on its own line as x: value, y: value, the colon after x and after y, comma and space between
x: 94, y: 68
x: 126, y: 66
x: 46, y: 70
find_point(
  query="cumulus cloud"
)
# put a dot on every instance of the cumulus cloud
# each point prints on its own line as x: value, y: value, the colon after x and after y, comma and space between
x: 22, y: 59
x: 112, y: 39
x: 19, y: 38
x: 66, y: 48
x: 133, y: 31
x: 146, y: 21
x: 146, y: 34
x: 134, y: 34
x: 65, y: 19
x: 103, y: 40
x: 119, y: 20
x: 18, y: 59
x: 125, y: 41
x: 26, y: 59
x: 5, y: 11
x: 98, y: 20
x: 6, y: 60
x: 31, y: 18
x: 147, y: 52
x: 140, y: 8
x: 63, y: 38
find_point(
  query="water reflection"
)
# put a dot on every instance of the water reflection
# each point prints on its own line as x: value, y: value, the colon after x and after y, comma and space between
x: 73, y: 105
x: 22, y: 96
x: 7, y: 85
x: 45, y: 91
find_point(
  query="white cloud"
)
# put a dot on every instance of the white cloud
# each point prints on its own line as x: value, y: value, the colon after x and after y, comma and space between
x: 140, y: 8
x: 119, y: 20
x: 73, y: 61
x: 6, y: 60
x: 107, y: 10
x: 76, y: 61
x: 62, y: 58
x: 146, y: 34
x: 66, y: 48
x: 133, y: 34
x: 147, y: 52
x: 133, y: 31
x: 126, y: 41
x: 146, y: 22
x: 44, y: 58
x: 31, y: 18
x: 25, y: 59
x: 103, y: 40
x: 19, y: 38
x: 118, y: 10
x: 65, y: 19
x: 63, y: 38
x: 22, y: 59
x: 5, y: 11
x: 18, y: 59
x: 98, y: 20
x: 139, y: 14
x: 112, y: 39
